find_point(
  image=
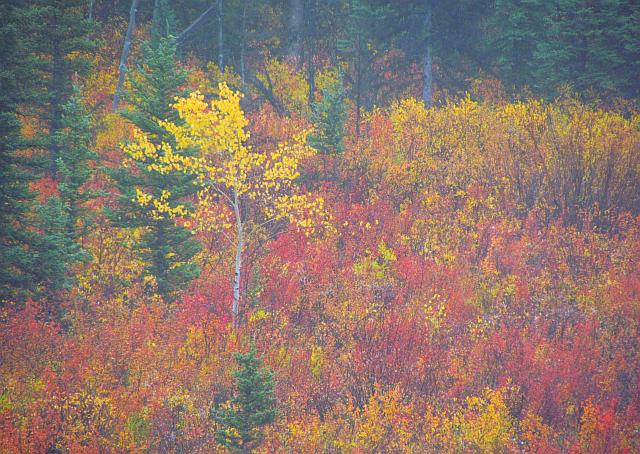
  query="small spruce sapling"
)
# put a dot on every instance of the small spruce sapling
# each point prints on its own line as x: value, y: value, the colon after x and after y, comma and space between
x: 253, y: 406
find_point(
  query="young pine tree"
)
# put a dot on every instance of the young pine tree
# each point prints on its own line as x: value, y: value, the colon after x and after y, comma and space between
x: 167, y: 248
x: 57, y: 252
x: 74, y: 163
x: 329, y: 116
x: 252, y: 408
x: 59, y: 216
x: 36, y: 247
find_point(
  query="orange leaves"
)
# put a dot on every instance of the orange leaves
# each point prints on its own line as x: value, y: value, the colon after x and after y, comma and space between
x: 477, y: 291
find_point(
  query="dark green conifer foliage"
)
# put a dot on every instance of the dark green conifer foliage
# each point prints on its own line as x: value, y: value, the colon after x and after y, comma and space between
x: 590, y: 47
x: 58, y: 35
x: 74, y: 163
x: 163, y: 22
x: 57, y: 252
x: 252, y: 407
x: 329, y: 116
x: 58, y: 218
x: 516, y: 29
x: 37, y: 249
x: 17, y: 240
x: 359, y: 45
x: 167, y: 248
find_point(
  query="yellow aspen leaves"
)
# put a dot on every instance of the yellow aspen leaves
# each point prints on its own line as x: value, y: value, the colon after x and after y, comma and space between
x: 226, y: 166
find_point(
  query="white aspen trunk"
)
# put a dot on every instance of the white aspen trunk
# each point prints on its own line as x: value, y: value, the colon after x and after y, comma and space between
x: 235, y: 310
x: 122, y: 68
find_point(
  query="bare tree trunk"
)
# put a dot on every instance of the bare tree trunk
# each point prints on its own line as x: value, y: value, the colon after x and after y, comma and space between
x: 311, y: 68
x: 235, y: 310
x: 296, y: 17
x: 220, y: 38
x: 91, y: 10
x: 244, y: 43
x: 122, y: 69
x: 311, y: 76
x: 427, y: 75
x: 55, y: 121
x: 181, y: 37
x: 155, y: 19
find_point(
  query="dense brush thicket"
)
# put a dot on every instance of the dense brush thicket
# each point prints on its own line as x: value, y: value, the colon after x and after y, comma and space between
x: 277, y: 245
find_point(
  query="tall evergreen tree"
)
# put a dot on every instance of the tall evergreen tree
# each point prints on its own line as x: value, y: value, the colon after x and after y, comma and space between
x: 36, y: 247
x: 58, y: 218
x: 167, y: 248
x: 251, y: 408
x: 17, y: 240
x: 364, y: 34
x: 515, y: 30
x: 584, y: 47
x: 587, y: 46
x: 58, y: 33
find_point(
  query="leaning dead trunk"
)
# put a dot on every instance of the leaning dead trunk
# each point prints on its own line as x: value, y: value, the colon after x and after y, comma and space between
x: 122, y: 68
x: 196, y: 23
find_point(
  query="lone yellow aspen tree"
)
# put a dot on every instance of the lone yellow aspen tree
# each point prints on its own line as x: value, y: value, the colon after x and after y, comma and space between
x: 231, y: 173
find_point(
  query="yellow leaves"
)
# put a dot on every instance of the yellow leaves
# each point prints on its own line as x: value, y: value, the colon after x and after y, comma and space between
x: 208, y: 82
x: 192, y: 349
x: 230, y: 171
x: 160, y: 206
x: 225, y: 161
x: 306, y: 213
x: 326, y: 77
x: 288, y: 85
x: 85, y: 416
x: 182, y: 405
x: 488, y: 423
x: 378, y: 266
x: 140, y: 149
x: 212, y: 214
x: 384, y: 425
x: 212, y: 127
x: 142, y: 198
x: 316, y: 361
x: 258, y: 316
x: 435, y: 312
x: 484, y: 423
x: 161, y: 159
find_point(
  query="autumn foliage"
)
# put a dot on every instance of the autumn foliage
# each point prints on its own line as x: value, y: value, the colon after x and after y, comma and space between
x: 460, y: 278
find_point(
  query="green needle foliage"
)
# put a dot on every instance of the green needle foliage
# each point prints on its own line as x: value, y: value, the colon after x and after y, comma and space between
x: 60, y: 215
x: 167, y: 248
x: 329, y: 116
x: 74, y: 162
x: 16, y: 239
x: 252, y: 408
